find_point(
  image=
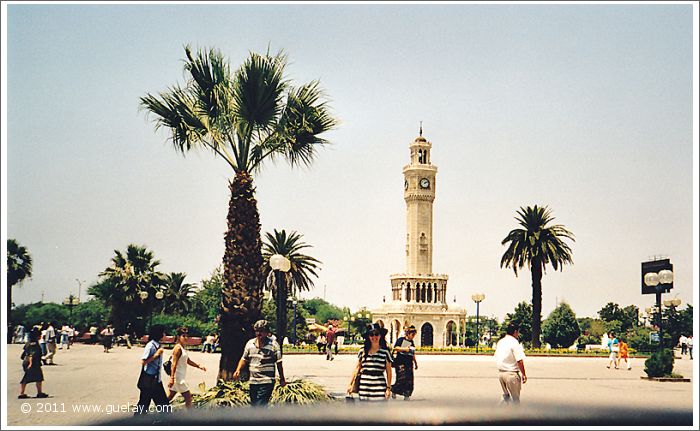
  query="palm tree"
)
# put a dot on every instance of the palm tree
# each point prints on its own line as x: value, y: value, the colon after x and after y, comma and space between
x: 19, y: 268
x: 297, y: 279
x: 245, y: 118
x: 123, y: 281
x: 178, y: 294
x: 536, y: 245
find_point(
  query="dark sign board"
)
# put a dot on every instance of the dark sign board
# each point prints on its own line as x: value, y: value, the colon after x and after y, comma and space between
x: 656, y: 266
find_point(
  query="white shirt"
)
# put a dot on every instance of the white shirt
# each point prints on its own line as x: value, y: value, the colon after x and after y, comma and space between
x: 508, y: 353
x: 682, y: 340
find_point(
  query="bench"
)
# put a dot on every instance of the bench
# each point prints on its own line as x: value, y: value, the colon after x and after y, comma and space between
x: 193, y: 341
x: 85, y: 338
x: 169, y: 340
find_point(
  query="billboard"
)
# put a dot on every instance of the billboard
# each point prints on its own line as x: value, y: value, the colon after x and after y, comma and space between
x: 656, y: 266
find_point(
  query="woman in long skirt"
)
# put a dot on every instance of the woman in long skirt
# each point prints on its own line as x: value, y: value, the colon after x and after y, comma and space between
x: 405, y: 362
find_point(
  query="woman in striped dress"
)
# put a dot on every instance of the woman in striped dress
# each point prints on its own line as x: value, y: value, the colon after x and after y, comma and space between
x: 374, y: 366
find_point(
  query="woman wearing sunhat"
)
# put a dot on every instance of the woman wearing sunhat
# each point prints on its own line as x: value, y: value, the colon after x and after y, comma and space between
x: 405, y: 362
x: 374, y: 366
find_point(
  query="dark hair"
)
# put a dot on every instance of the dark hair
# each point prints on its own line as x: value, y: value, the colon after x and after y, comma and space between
x: 182, y: 330
x: 33, y: 335
x: 156, y: 333
x: 512, y: 327
x: 375, y: 328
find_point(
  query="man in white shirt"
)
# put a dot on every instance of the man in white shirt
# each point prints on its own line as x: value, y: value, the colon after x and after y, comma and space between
x: 509, y: 356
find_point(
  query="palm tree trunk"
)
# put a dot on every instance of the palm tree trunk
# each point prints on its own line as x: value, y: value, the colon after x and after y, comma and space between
x: 536, y: 270
x: 243, y: 262
x: 9, y: 313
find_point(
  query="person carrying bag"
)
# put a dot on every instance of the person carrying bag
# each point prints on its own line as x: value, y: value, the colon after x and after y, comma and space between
x: 149, y: 382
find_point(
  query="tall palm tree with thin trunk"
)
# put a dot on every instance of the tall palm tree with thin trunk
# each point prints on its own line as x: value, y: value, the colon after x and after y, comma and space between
x: 536, y: 244
x: 297, y: 279
x: 245, y: 118
x: 19, y: 268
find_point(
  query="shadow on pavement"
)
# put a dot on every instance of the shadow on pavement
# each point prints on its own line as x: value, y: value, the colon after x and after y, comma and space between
x: 417, y: 413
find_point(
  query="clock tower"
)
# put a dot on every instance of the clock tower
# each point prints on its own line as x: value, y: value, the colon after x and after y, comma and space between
x: 419, y: 194
x: 418, y: 296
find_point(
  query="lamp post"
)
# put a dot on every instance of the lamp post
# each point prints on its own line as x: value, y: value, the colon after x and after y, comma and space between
x: 144, y: 296
x: 294, y: 338
x: 656, y: 280
x: 477, y: 297
x: 80, y: 285
x: 71, y: 302
x: 280, y: 265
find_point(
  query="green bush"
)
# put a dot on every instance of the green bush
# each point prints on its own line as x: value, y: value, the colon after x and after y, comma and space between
x: 235, y: 394
x: 561, y: 328
x: 660, y: 364
x: 196, y: 327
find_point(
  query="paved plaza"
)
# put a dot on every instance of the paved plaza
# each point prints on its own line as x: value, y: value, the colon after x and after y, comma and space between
x: 85, y: 380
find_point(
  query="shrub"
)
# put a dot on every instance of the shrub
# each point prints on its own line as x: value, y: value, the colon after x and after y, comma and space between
x: 237, y: 394
x: 660, y: 364
x: 561, y: 328
x: 196, y: 327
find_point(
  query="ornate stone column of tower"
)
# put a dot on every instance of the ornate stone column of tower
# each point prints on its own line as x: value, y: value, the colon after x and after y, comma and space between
x: 419, y: 194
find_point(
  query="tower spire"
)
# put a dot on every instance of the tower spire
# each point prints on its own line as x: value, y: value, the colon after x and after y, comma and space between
x: 420, y: 132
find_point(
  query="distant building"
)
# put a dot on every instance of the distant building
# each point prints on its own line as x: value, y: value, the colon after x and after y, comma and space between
x: 419, y: 297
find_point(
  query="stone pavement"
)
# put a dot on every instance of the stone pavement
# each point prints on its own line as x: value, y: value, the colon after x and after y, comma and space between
x: 87, y: 380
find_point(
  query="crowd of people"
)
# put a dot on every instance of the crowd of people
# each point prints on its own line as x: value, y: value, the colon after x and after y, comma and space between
x: 377, y: 362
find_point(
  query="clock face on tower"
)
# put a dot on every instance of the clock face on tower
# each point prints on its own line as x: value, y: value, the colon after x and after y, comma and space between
x: 424, y: 183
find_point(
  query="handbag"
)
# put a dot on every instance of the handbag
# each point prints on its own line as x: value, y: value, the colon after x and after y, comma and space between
x: 146, y: 381
x: 168, y: 365
x: 356, y: 379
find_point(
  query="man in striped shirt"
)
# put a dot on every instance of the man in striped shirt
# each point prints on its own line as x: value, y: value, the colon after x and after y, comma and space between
x: 262, y: 354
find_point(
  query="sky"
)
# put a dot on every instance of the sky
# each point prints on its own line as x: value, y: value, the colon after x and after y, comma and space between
x: 587, y: 109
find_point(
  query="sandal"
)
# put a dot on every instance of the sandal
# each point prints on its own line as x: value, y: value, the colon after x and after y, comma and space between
x: 22, y: 396
x: 42, y: 395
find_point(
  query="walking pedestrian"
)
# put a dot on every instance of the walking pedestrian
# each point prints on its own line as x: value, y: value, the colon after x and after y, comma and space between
x: 683, y: 344
x: 373, y: 367
x: 690, y: 345
x: 624, y: 354
x: 404, y: 362
x: 31, y: 364
x: 50, y: 343
x: 149, y: 382
x: 42, y: 341
x: 330, y: 338
x: 261, y: 354
x: 178, y: 373
x: 613, y: 349
x: 65, y: 331
x: 510, y: 360
x: 107, y: 337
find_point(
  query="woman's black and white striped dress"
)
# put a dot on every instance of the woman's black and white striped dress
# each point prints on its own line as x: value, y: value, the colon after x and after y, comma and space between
x: 373, y: 382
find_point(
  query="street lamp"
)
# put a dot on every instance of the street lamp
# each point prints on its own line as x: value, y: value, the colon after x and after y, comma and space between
x: 71, y: 302
x: 294, y: 338
x: 656, y: 280
x: 144, y: 296
x: 279, y: 265
x: 80, y: 284
x: 477, y: 297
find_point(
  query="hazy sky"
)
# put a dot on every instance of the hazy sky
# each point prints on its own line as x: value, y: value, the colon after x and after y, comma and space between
x: 584, y: 108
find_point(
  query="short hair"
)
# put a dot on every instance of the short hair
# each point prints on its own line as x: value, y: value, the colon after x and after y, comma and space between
x: 156, y: 333
x: 512, y: 327
x: 182, y: 330
x: 34, y: 335
x: 261, y: 326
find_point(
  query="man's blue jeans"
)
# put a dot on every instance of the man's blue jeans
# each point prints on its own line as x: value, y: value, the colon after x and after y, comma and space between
x: 260, y: 394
